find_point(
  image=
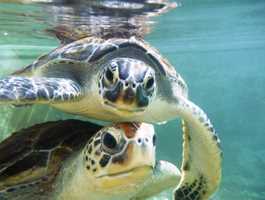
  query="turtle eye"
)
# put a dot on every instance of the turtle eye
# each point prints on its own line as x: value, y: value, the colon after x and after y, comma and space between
x: 149, y: 83
x: 109, y: 75
x: 109, y: 143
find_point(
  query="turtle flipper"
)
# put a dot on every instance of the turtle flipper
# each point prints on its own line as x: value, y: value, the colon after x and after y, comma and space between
x: 165, y: 176
x: 23, y: 91
x: 202, y: 156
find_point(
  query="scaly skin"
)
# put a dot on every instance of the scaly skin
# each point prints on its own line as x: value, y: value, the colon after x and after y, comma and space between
x: 202, y: 156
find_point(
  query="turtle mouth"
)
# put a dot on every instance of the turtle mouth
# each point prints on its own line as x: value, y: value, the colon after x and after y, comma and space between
x: 123, y: 108
x: 127, y: 172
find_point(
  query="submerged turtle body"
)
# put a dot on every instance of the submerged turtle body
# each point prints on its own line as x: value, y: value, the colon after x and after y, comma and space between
x: 79, y: 160
x: 31, y: 159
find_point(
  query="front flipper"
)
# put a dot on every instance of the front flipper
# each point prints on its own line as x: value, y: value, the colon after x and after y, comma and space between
x: 202, y: 156
x: 165, y: 175
x: 23, y: 91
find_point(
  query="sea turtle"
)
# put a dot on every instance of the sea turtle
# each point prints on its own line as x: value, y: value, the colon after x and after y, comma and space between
x: 79, y: 160
x: 111, y: 79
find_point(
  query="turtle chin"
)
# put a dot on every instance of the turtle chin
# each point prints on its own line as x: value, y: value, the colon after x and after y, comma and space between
x: 123, y: 109
x: 128, y: 179
x: 145, y: 169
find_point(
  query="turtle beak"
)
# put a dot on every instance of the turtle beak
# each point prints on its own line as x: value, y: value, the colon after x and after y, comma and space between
x: 129, y: 95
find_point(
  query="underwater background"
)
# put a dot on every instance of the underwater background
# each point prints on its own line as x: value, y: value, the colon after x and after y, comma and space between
x: 219, y: 49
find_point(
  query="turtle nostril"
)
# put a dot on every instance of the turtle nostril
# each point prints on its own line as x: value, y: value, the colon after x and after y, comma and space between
x: 127, y: 83
x: 139, y: 140
x: 133, y: 85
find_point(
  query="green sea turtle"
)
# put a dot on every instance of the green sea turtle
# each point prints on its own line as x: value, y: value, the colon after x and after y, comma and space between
x: 111, y: 79
x: 79, y: 160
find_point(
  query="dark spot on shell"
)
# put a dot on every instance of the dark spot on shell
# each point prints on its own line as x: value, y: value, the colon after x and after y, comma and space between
x: 94, y: 170
x: 179, y: 194
x: 186, y: 191
x: 194, y: 195
x: 88, y: 167
x: 92, y: 162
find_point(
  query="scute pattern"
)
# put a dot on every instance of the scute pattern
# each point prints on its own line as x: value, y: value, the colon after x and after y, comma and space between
x: 40, y: 150
x: 92, y: 49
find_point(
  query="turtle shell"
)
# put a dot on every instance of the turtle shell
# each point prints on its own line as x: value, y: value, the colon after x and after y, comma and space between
x: 31, y: 158
x: 91, y: 50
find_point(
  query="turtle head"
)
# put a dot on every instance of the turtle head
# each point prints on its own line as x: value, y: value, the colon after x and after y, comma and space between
x: 120, y: 154
x: 127, y: 85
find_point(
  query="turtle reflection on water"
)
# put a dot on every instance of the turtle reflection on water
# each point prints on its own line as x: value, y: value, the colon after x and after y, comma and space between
x: 79, y: 160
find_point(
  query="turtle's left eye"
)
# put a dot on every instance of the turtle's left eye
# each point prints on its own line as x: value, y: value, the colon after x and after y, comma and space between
x: 109, y: 75
x: 149, y: 83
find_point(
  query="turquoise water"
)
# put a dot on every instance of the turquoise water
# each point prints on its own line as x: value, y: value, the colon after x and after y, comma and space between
x: 219, y: 49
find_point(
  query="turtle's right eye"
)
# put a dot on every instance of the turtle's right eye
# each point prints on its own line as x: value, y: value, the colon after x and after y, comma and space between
x: 149, y: 83
x: 110, y: 75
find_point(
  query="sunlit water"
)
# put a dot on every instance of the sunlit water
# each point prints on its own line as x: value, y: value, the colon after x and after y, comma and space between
x: 219, y: 49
